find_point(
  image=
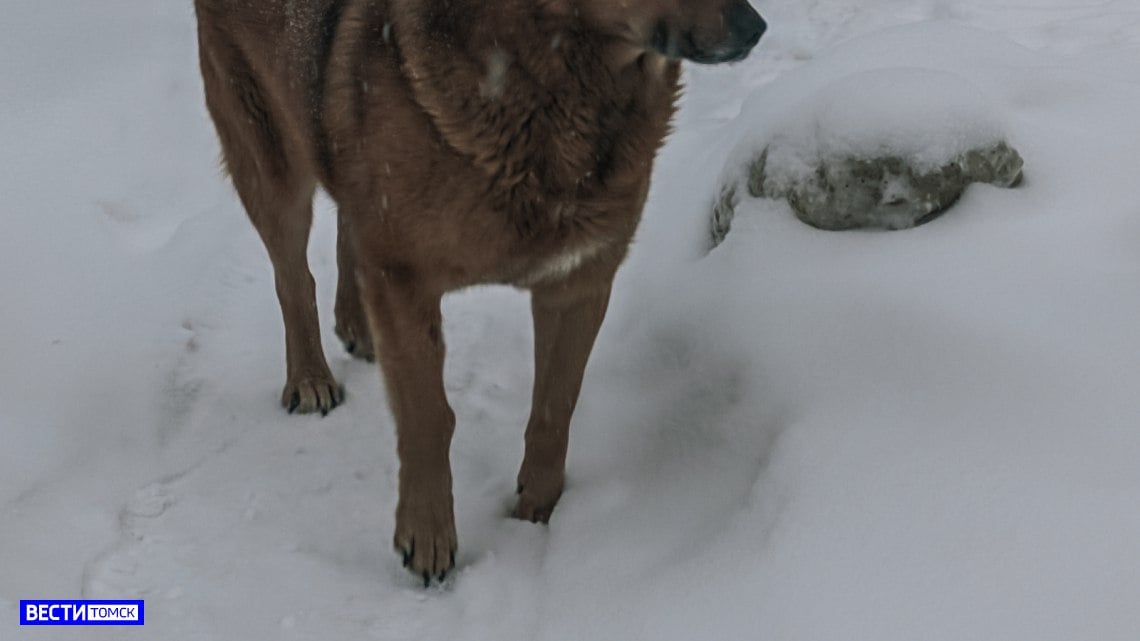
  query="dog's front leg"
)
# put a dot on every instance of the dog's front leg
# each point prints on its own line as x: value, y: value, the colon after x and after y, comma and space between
x: 405, y: 320
x: 566, y: 322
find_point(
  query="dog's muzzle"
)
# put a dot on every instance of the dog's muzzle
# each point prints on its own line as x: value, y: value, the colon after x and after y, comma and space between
x: 743, y: 29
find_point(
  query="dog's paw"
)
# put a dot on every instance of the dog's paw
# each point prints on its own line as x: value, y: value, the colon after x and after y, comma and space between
x: 308, y: 394
x: 352, y: 330
x: 425, y: 538
x: 538, y: 494
x: 529, y: 508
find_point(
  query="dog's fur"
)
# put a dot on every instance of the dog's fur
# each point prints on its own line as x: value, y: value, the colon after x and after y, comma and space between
x: 464, y: 142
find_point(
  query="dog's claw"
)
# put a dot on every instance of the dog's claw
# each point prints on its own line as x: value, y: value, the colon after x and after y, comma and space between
x: 535, y: 509
x: 304, y: 395
x: 353, y: 331
x: 428, y: 548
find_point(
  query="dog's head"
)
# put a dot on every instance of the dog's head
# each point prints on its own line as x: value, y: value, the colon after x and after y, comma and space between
x: 704, y: 31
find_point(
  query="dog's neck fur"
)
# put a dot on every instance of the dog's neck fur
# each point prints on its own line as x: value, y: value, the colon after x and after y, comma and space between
x: 593, y: 94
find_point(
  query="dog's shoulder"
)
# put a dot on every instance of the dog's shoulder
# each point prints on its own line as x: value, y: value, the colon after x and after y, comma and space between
x: 533, y: 107
x: 532, y: 97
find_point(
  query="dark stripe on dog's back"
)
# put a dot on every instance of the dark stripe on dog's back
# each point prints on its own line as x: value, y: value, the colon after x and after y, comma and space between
x: 326, y: 31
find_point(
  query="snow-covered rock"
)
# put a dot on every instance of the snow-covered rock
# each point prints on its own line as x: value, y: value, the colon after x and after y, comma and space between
x: 888, y: 148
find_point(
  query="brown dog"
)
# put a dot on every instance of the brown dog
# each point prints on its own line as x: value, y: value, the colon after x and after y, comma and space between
x: 464, y: 142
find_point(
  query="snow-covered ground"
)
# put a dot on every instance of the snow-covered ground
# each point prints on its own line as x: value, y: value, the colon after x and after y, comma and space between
x: 929, y: 434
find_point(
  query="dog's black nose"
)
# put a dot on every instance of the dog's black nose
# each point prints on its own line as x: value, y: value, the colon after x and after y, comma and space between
x: 745, y: 24
x: 737, y: 30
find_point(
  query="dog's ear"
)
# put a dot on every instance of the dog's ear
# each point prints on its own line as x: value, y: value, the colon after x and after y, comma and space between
x: 706, y: 31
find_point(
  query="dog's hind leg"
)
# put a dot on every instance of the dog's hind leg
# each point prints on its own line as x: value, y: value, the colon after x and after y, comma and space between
x: 266, y: 167
x: 283, y: 224
x: 351, y: 322
x: 565, y: 327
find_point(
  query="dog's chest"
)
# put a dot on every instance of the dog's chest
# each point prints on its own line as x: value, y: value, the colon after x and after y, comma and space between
x: 575, y: 237
x: 562, y: 263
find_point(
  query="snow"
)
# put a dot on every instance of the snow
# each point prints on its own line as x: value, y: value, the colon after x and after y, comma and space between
x: 926, y: 118
x: 929, y: 434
